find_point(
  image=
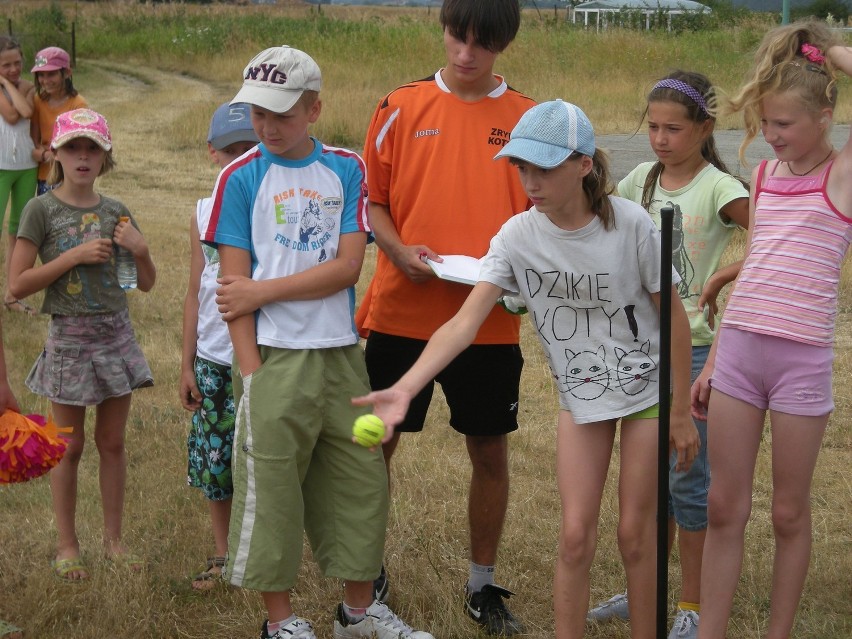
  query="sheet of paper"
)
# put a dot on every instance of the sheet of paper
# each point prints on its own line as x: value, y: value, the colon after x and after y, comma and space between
x: 463, y: 269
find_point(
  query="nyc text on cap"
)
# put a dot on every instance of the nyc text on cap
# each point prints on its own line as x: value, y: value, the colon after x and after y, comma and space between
x: 276, y: 78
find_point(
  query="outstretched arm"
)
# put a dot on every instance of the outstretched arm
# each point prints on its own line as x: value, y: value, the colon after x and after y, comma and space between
x: 391, y: 404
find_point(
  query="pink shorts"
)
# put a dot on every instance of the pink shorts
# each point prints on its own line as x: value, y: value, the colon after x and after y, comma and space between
x: 775, y: 373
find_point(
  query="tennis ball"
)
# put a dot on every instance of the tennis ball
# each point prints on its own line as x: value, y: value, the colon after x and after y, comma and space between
x: 368, y: 430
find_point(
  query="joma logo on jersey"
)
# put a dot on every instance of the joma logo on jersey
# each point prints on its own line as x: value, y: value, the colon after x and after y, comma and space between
x: 498, y: 137
x: 422, y: 133
x: 266, y: 73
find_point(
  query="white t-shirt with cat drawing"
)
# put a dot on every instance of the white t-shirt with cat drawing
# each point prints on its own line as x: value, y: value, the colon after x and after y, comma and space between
x: 588, y: 293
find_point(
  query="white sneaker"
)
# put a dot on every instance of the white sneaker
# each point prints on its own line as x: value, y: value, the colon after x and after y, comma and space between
x: 380, y: 623
x: 685, y: 625
x: 296, y: 629
x: 612, y: 608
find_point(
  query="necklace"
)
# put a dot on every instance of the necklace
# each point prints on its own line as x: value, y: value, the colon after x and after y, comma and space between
x: 790, y: 166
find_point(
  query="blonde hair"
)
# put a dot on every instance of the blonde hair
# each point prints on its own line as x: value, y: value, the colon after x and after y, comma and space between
x: 56, y: 174
x: 780, y: 67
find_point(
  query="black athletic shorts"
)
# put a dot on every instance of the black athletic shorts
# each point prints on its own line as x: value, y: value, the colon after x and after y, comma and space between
x: 481, y: 384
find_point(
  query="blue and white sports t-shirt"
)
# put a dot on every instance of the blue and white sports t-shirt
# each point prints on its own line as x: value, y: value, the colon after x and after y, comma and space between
x: 290, y: 214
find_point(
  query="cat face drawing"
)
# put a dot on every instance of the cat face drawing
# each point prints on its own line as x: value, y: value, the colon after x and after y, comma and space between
x: 634, y: 368
x: 587, y: 376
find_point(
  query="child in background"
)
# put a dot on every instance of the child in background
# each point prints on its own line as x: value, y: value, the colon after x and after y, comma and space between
x: 709, y: 203
x: 290, y: 222
x: 774, y: 350
x: 91, y: 357
x: 205, y: 381
x: 17, y: 167
x: 55, y: 94
x: 598, y: 322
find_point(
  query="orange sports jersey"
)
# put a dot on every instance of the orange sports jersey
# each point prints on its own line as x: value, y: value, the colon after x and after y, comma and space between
x: 430, y: 159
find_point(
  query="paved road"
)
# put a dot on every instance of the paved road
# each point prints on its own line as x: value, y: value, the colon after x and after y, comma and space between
x: 626, y: 151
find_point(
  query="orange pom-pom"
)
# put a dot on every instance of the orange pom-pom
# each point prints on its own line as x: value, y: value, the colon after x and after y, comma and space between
x: 29, y: 446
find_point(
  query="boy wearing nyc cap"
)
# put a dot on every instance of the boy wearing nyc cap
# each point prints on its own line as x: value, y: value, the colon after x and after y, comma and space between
x: 205, y: 382
x: 587, y: 266
x: 434, y: 190
x: 289, y: 219
x: 55, y: 94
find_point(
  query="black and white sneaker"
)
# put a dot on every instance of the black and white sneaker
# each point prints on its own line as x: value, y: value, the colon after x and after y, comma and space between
x: 381, y: 586
x: 486, y: 608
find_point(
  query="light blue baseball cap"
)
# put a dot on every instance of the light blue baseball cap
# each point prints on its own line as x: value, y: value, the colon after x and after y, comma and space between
x: 549, y: 133
x: 231, y: 123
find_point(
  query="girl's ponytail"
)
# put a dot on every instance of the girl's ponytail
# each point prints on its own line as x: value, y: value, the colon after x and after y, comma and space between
x: 597, y: 185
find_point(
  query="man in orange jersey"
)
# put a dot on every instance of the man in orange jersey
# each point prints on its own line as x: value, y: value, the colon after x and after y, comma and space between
x: 435, y: 190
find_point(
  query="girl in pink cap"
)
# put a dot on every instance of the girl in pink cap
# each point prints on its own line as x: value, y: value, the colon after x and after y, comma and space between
x: 55, y: 94
x: 91, y: 357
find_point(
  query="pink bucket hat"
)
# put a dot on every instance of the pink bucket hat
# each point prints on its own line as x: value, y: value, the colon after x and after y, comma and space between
x: 51, y: 59
x: 81, y: 123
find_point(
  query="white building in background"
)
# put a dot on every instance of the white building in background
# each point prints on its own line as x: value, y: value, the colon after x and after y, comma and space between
x: 602, y: 12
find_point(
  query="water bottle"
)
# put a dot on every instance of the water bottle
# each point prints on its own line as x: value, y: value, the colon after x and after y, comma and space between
x: 125, y: 264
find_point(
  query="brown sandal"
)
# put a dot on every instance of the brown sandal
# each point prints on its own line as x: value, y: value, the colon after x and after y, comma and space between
x: 207, y: 579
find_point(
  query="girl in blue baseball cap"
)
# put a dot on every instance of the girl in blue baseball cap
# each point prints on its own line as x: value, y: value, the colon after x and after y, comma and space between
x: 587, y: 265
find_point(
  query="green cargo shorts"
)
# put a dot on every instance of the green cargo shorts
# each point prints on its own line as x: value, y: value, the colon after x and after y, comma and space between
x: 297, y: 470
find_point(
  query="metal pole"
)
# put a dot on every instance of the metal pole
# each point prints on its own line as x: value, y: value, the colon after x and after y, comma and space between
x: 785, y: 11
x: 73, y: 45
x: 666, y: 217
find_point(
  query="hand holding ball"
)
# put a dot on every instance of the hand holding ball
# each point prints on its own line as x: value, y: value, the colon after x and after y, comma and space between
x: 368, y: 431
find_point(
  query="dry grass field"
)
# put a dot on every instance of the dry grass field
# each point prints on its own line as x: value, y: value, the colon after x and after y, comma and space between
x: 159, y: 119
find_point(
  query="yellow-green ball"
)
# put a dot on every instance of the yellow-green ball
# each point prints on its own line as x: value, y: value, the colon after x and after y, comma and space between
x: 368, y: 430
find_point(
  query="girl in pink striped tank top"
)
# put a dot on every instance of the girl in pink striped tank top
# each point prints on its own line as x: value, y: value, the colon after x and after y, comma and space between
x: 774, y: 350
